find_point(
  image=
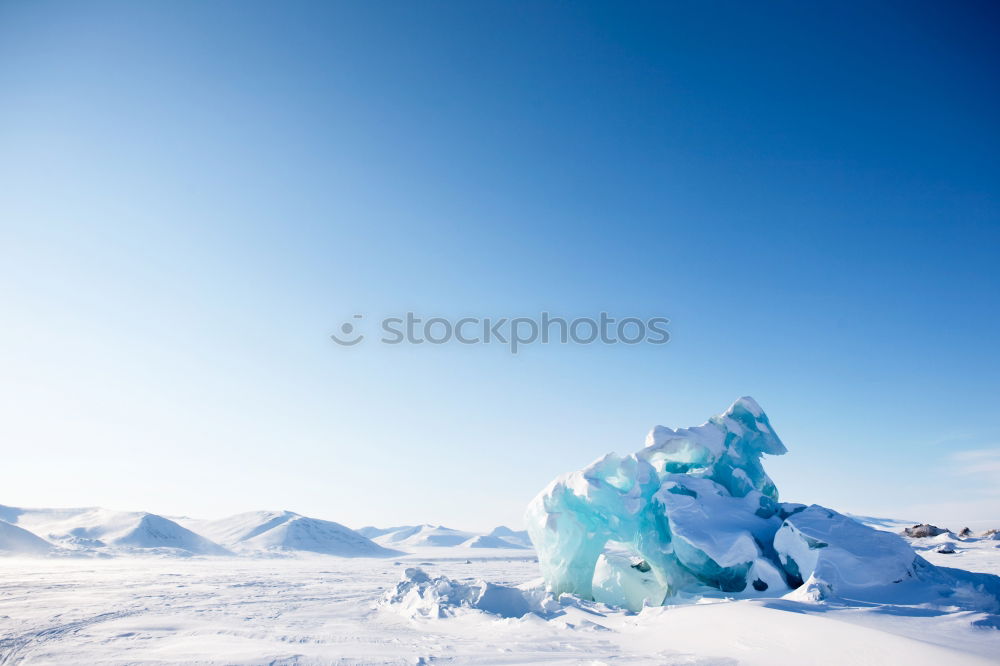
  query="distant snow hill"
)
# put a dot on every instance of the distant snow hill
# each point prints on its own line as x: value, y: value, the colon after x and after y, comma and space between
x: 438, y: 536
x: 286, y: 531
x: 90, y: 532
x: 519, y: 537
x: 16, y: 540
x: 94, y: 529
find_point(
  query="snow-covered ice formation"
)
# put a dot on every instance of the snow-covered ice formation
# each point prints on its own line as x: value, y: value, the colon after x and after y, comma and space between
x: 695, y: 513
x: 831, y: 552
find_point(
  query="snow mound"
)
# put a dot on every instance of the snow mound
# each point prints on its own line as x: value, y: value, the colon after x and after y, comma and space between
x: 16, y: 540
x: 90, y: 529
x: 418, y: 595
x: 287, y: 531
x: 694, y: 514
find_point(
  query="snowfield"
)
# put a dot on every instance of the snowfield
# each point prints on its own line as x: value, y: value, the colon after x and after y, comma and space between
x: 679, y: 553
x: 313, y: 609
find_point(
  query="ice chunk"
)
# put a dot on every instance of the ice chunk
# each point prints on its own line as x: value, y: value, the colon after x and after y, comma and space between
x: 841, y: 553
x: 694, y: 513
x: 695, y: 504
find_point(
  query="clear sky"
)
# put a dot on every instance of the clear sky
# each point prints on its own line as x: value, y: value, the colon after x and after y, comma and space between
x: 194, y: 195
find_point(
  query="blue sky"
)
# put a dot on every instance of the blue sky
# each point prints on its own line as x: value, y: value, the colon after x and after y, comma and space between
x: 196, y: 194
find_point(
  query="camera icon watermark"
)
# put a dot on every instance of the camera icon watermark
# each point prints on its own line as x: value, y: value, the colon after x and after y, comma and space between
x: 513, y: 332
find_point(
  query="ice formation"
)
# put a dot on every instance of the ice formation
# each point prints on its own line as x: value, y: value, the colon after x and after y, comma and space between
x: 695, y: 512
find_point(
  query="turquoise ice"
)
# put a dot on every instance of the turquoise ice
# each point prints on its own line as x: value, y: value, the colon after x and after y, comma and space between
x: 694, y: 512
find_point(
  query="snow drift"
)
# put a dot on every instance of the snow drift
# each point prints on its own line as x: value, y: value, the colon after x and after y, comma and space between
x: 418, y: 595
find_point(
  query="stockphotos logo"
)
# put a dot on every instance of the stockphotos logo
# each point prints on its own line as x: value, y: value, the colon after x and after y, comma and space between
x: 514, y: 332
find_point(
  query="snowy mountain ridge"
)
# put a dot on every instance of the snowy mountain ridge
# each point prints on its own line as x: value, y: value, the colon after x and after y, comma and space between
x: 95, y: 531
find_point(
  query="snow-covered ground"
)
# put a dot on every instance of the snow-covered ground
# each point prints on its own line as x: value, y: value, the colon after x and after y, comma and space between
x: 688, y: 533
x: 320, y: 609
